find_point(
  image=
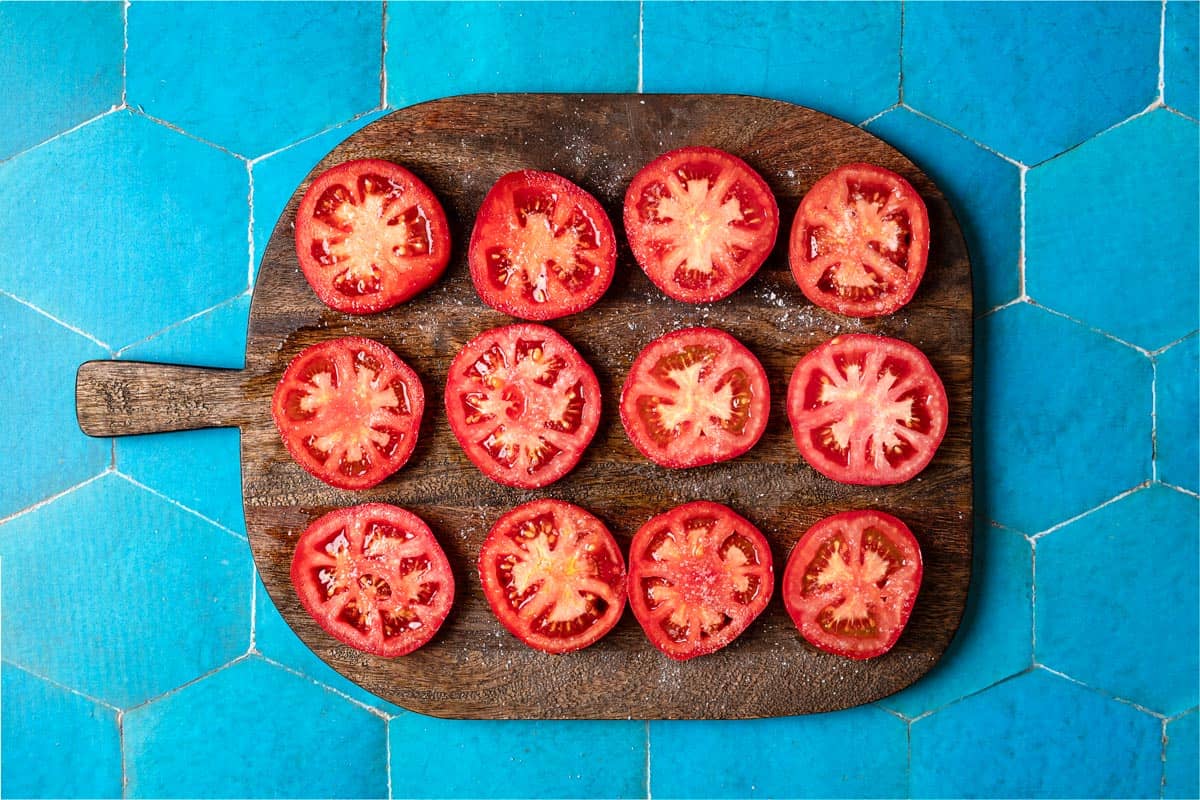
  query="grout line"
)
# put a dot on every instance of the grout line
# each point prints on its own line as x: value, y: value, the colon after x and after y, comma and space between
x: 55, y: 319
x: 1113, y: 337
x: 181, y: 506
x: 1153, y: 419
x: 1022, y: 284
x: 908, y: 758
x: 641, y: 86
x: 1172, y: 343
x: 383, y: 88
x: 648, y: 794
x: 1180, y: 489
x: 1179, y: 113
x: 1033, y: 606
x: 55, y: 497
x: 930, y: 712
x: 250, y: 226
x: 1154, y: 105
x: 253, y: 608
x: 1162, y: 47
x: 1060, y: 525
x: 124, y: 753
x: 171, y: 126
x: 188, y: 684
x: 1162, y: 780
x: 1180, y: 715
x: 1102, y: 692
x: 962, y: 135
x: 1015, y: 301
x: 387, y: 744
x: 61, y: 134
x: 59, y: 685
x: 312, y: 136
x: 125, y: 54
x: 293, y: 671
x: 227, y: 301
x: 871, y: 119
x: 900, y: 84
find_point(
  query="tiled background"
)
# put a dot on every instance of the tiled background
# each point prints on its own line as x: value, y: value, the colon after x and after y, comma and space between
x: 145, y: 153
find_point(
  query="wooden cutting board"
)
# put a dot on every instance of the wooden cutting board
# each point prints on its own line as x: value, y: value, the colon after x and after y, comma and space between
x: 473, y: 668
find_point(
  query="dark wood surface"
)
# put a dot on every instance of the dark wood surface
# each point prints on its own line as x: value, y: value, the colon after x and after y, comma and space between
x: 473, y: 668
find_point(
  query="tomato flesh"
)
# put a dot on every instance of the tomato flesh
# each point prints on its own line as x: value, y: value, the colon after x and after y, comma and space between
x: 374, y: 577
x: 851, y: 582
x: 699, y: 574
x: 369, y: 235
x: 523, y: 404
x: 349, y: 411
x: 553, y: 576
x: 867, y: 410
x: 542, y: 247
x: 700, y: 222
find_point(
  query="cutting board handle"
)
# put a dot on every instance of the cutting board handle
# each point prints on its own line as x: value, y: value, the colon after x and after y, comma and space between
x: 119, y: 398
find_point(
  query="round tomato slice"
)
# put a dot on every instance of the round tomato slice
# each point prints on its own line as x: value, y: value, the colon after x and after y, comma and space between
x: 695, y: 396
x: 349, y: 411
x: 700, y: 222
x: 542, y: 247
x: 860, y: 241
x: 553, y: 575
x: 698, y: 576
x: 851, y: 581
x: 523, y: 404
x: 867, y: 409
x: 374, y: 577
x: 369, y: 235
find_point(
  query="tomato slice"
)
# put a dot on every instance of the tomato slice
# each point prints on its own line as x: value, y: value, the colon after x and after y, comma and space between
x: 699, y: 574
x: 700, y: 222
x: 860, y: 241
x: 369, y: 235
x: 373, y: 577
x: 693, y: 397
x: 553, y: 575
x: 867, y: 409
x: 349, y: 411
x: 851, y: 581
x: 523, y: 404
x: 542, y: 247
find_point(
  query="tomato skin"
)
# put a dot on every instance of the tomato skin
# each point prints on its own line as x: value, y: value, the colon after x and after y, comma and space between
x: 890, y: 598
x: 350, y: 208
x: 373, y: 553
x: 570, y: 536
x: 340, y: 411
x: 741, y: 243
x: 708, y: 564
x: 861, y: 388
x: 843, y: 270
x: 528, y: 217
x: 696, y: 440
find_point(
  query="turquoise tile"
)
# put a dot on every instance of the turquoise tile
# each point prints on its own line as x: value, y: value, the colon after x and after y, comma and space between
x: 1102, y: 567
x: 254, y: 77
x: 1045, y: 406
x: 1182, y: 769
x: 1177, y: 409
x: 983, y: 189
x: 1181, y: 64
x: 54, y: 743
x: 254, y: 730
x: 139, y: 225
x: 838, y: 58
x: 1036, y: 735
x: 134, y: 598
x: 1120, y: 214
x: 443, y: 49
x: 45, y: 452
x: 60, y: 65
x: 995, y: 637
x: 1030, y: 79
x: 513, y: 758
x: 860, y: 752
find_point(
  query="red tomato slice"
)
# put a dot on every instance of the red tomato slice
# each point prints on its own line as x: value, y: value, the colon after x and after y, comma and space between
x: 542, y: 247
x: 698, y: 576
x: 553, y: 575
x: 867, y: 409
x: 349, y: 411
x: 700, y: 222
x: 851, y: 581
x: 369, y: 235
x: 523, y: 404
x: 374, y: 577
x: 860, y: 241
x: 693, y: 397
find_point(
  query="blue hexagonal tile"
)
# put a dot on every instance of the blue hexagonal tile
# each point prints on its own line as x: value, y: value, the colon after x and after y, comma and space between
x: 1177, y: 414
x: 442, y: 49
x: 138, y: 225
x: 254, y: 77
x: 514, y: 758
x: 60, y: 66
x: 1181, y: 60
x: 254, y: 730
x: 1181, y: 778
x: 120, y: 594
x: 983, y: 189
x: 55, y: 743
x: 1030, y: 79
x: 1120, y: 213
x: 995, y: 637
x: 1045, y: 408
x: 1036, y: 735
x: 1133, y: 564
x: 861, y: 752
x: 840, y: 59
x: 45, y: 450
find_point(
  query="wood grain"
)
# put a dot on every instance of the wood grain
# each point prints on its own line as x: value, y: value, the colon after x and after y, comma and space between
x: 473, y: 668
